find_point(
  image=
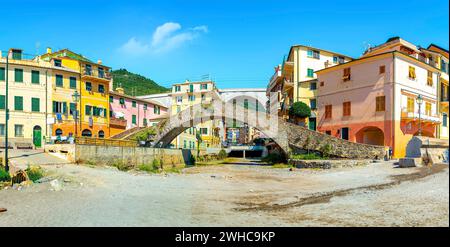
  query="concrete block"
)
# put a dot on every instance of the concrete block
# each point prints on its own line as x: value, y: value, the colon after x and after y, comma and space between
x: 410, y: 162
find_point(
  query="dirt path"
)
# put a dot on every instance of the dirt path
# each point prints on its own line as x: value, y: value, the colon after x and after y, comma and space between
x: 234, y: 195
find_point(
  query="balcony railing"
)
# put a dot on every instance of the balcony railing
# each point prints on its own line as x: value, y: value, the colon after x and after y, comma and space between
x: 118, y: 122
x: 424, y: 117
x: 96, y: 73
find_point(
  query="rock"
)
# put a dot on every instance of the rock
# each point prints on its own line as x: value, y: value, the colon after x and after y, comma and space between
x: 3, y: 210
x: 213, y: 176
x: 26, y: 183
x: 15, y: 186
x: 44, y: 180
x: 66, y: 180
x: 56, y: 185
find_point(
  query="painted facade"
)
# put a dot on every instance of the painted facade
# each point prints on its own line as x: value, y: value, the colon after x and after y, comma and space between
x: 93, y: 88
x: 127, y: 112
x: 29, y: 99
x: 295, y: 79
x: 191, y: 93
x: 374, y: 99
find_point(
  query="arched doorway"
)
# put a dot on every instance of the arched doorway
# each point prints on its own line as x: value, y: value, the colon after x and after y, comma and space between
x: 370, y: 135
x: 58, y: 132
x: 86, y: 133
x: 101, y: 134
x: 37, y: 136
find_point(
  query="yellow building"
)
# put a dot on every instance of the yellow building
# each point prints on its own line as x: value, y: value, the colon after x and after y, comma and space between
x: 191, y: 93
x: 295, y: 80
x: 91, y: 80
x: 29, y: 98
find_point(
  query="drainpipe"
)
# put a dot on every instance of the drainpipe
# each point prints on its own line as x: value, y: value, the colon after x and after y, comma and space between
x: 393, y: 101
x: 46, y: 102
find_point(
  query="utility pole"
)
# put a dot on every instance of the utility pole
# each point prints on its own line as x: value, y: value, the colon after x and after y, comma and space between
x: 6, y: 113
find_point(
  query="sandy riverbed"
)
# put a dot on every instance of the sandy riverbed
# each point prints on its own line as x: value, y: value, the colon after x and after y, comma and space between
x: 234, y: 195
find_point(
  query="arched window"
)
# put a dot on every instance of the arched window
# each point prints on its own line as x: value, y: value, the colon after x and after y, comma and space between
x: 58, y: 132
x: 87, y: 133
x: 101, y: 134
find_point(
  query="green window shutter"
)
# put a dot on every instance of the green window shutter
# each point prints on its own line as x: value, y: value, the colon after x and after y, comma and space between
x: 35, y: 77
x: 18, y: 103
x: 2, y: 74
x: 133, y: 119
x: 64, y: 107
x: 73, y: 82
x: 95, y: 111
x: 2, y: 102
x: 111, y: 99
x: 133, y: 103
x: 35, y: 104
x: 18, y: 75
x: 59, y: 80
x: 145, y: 122
x: 310, y: 73
x: 54, y: 106
x: 104, y: 113
x: 88, y: 110
x: 72, y: 108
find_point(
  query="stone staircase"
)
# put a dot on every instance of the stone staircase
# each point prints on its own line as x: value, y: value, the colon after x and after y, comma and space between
x: 127, y: 133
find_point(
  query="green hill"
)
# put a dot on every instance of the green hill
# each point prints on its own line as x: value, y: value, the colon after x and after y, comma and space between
x: 138, y: 84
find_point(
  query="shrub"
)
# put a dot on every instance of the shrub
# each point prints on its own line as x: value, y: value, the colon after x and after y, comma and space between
x: 274, y: 158
x: 310, y: 156
x: 222, y: 154
x: 122, y: 166
x: 326, y: 150
x: 34, y: 173
x: 4, y: 175
x: 300, y: 109
x: 192, y: 160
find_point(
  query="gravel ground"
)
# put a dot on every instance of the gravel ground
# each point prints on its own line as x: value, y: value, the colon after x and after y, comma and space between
x: 234, y: 195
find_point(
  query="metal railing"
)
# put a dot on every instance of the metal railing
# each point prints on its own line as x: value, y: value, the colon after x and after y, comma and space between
x: 96, y: 73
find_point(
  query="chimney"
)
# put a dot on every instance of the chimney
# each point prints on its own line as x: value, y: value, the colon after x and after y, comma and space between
x: 99, y: 61
x: 49, y: 50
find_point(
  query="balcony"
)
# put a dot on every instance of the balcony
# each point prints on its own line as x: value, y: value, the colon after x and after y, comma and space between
x: 414, y: 116
x: 95, y: 74
x: 117, y: 122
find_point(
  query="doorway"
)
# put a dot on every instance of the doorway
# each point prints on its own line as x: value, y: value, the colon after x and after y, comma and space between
x: 37, y: 136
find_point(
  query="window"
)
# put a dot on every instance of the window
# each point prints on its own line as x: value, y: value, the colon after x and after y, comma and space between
x: 184, y: 143
x: 191, y: 88
x: 2, y: 129
x: 133, y: 104
x: 310, y: 73
x: 347, y: 74
x: 313, y: 86
x: 35, y: 104
x: 18, y: 130
x: 133, y: 119
x: 2, y: 102
x: 191, y: 97
x: 88, y: 110
x: 88, y: 69
x: 58, y: 132
x: 203, y: 97
x: 430, y: 79
x: 346, y: 108
x: 322, y: 83
x: 204, y: 86
x: 444, y: 119
x: 72, y: 109
x: 18, y: 75
x: 338, y: 59
x: 313, y: 54
x: 35, y: 77
x: 382, y: 69
x: 59, y: 80
x: 246, y: 103
x: 98, y: 111
x: 101, y: 88
x: 101, y: 72
x: 88, y: 86
x: 57, y: 62
x: 101, y: 134
x: 444, y: 66
x: 73, y: 82
x: 328, y: 132
x: 17, y: 54
x: 313, y: 104
x: 428, y: 108
x: 380, y: 104
x: 410, y: 105
x: 122, y: 101
x: 59, y: 107
x: 204, y: 131
x: 179, y: 99
x: 328, y: 109
x: 177, y: 88
x: 18, y: 103
x: 157, y: 109
x: 145, y: 107
x: 412, y: 73
x: 111, y: 99
x: 2, y: 74
x: 144, y: 122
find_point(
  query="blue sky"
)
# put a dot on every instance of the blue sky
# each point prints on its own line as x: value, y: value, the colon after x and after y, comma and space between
x: 237, y: 42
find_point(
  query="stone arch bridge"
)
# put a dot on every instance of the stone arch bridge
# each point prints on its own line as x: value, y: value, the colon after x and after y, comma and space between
x: 285, y: 134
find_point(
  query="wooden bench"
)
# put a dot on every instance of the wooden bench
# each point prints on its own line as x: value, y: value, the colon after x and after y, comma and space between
x: 24, y: 145
x: 2, y: 145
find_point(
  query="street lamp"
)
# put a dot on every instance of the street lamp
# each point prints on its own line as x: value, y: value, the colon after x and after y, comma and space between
x: 76, y: 98
x: 420, y: 102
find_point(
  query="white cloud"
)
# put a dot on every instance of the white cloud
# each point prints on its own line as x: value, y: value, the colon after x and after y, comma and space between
x: 165, y: 38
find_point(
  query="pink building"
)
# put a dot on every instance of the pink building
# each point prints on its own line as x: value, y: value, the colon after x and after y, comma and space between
x: 127, y: 112
x: 375, y: 99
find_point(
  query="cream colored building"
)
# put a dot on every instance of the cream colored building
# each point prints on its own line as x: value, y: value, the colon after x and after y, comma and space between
x: 29, y: 98
x: 185, y: 95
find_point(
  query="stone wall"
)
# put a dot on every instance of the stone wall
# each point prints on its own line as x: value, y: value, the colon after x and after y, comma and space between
x: 327, y: 164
